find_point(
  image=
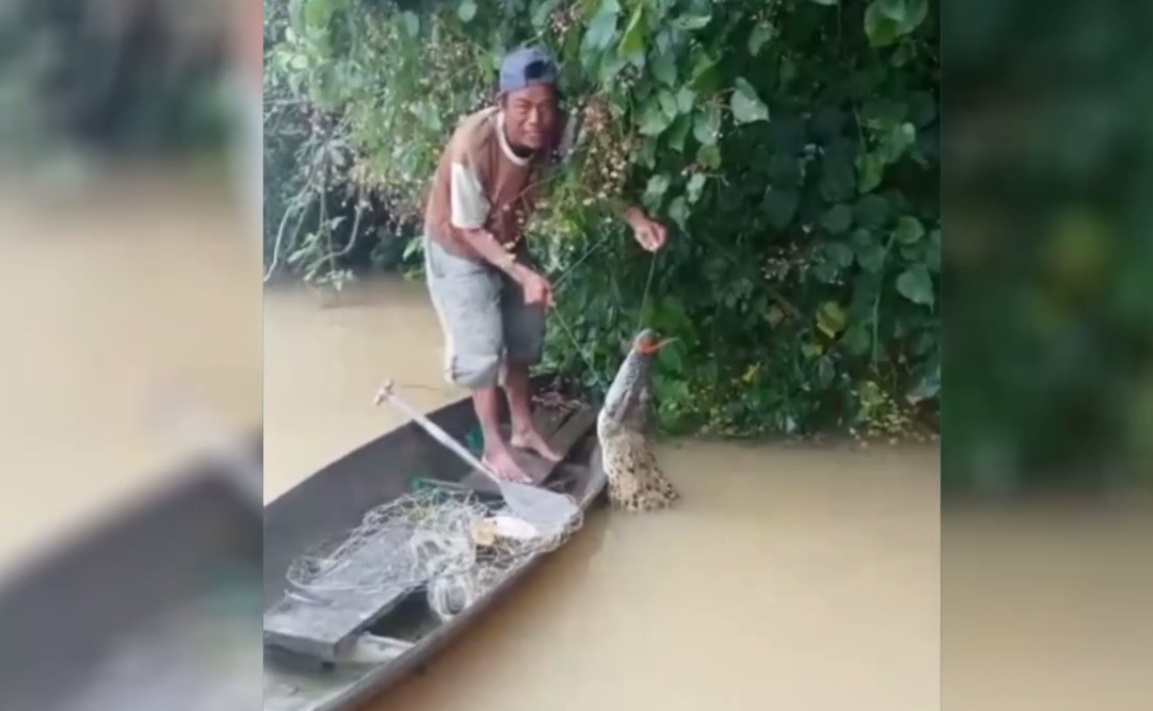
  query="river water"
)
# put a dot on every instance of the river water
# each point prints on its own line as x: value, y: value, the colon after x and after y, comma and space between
x: 106, y: 300
x: 790, y: 577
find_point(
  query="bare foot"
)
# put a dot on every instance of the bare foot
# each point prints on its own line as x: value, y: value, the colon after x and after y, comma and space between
x: 532, y: 441
x: 500, y: 462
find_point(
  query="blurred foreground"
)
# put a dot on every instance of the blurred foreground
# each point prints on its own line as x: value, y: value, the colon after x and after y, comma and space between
x: 129, y: 573
x: 1048, y: 260
x: 109, y: 303
x: 1047, y: 597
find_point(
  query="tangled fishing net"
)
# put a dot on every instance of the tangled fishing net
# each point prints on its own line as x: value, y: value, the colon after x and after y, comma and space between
x: 447, y: 542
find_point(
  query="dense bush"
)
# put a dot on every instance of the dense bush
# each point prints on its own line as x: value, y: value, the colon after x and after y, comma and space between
x: 1050, y: 322
x: 119, y: 80
x: 792, y: 145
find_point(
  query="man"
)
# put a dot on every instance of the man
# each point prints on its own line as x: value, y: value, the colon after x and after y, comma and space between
x: 488, y: 295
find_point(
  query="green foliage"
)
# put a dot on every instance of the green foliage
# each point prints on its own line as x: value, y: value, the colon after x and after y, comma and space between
x: 83, y: 80
x: 1050, y: 355
x: 792, y: 147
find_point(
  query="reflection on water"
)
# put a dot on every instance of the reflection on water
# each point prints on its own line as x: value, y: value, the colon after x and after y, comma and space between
x: 790, y: 577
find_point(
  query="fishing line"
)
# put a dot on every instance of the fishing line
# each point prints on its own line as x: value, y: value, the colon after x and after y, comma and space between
x: 564, y: 325
x: 588, y: 253
x: 645, y: 293
x: 581, y: 351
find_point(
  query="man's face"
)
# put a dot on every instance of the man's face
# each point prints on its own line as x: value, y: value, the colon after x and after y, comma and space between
x: 531, y: 115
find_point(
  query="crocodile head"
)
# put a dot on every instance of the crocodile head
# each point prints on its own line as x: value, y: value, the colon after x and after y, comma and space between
x: 629, y: 393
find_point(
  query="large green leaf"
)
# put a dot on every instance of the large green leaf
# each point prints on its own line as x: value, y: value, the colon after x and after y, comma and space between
x: 664, y: 67
x: 871, y: 257
x: 692, y: 22
x: 933, y: 251
x: 916, y: 285
x: 870, y: 172
x: 678, y: 133
x: 928, y: 388
x: 654, y: 119
x: 411, y: 23
x: 909, y: 230
x: 840, y: 254
x: 871, y: 211
x: 837, y: 219
x: 655, y: 190
x: 895, y: 10
x: 635, y: 35
x: 709, y: 156
x: 760, y: 35
x: 679, y: 212
x: 896, y: 141
x: 880, y: 29
x: 466, y: 10
x: 694, y: 187
x: 318, y: 14
x: 831, y: 319
x: 747, y: 107
x: 857, y: 339
x: 602, y: 26
x: 685, y: 98
x: 707, y: 124
x: 781, y: 206
x: 705, y: 74
x: 543, y: 12
x: 886, y: 21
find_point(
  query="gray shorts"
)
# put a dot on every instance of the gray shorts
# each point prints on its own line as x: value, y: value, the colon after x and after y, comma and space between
x: 483, y: 316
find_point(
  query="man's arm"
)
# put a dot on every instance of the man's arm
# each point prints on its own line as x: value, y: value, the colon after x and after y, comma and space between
x: 491, y: 251
x: 633, y: 214
x: 470, y: 208
x: 536, y: 288
x: 651, y: 234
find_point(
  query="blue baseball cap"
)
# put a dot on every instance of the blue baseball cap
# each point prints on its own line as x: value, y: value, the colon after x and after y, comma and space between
x: 525, y: 66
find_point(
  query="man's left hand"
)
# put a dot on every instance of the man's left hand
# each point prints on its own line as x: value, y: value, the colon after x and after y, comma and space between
x: 649, y: 233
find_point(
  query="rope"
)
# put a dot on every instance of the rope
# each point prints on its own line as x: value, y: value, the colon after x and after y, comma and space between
x: 572, y: 267
x: 580, y: 349
x: 645, y: 294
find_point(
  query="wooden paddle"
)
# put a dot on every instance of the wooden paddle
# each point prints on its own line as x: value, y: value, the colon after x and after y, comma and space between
x: 551, y: 513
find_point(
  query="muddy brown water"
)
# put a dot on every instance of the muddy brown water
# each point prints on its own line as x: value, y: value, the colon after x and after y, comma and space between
x: 791, y: 577
x: 104, y: 301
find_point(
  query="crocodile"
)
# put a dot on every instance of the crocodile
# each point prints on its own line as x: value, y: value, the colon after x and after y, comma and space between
x: 635, y: 480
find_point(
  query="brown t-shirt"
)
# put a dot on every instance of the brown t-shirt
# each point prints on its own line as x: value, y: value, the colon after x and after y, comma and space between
x: 480, y: 183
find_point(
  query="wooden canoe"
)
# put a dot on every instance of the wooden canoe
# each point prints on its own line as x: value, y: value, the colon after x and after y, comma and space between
x: 333, y: 501
x: 63, y: 614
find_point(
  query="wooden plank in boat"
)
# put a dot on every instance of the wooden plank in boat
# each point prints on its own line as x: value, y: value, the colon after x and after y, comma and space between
x: 572, y: 428
x: 327, y: 627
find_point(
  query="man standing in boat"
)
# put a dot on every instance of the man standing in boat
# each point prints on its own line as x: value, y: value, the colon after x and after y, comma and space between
x: 489, y: 296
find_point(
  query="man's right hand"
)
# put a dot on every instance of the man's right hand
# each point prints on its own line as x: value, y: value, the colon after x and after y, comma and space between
x: 537, y: 290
